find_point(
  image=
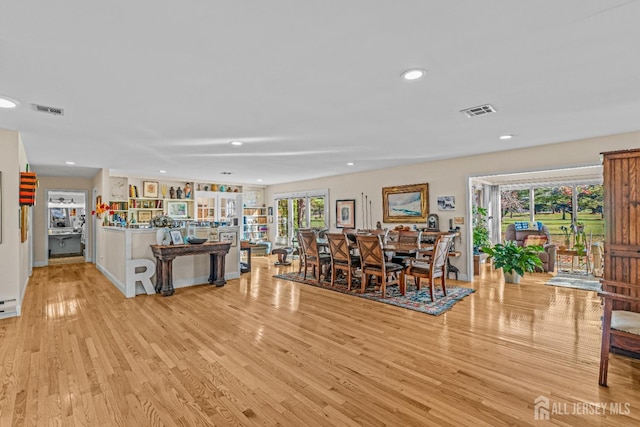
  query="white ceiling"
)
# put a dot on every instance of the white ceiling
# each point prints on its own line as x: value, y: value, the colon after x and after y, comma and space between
x: 308, y: 86
x: 586, y: 175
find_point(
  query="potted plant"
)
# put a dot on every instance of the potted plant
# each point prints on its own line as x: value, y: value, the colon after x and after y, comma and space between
x: 480, y: 237
x: 514, y: 260
x: 480, y: 229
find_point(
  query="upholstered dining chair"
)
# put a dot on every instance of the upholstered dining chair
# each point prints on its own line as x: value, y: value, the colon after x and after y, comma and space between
x: 312, y: 257
x: 341, y: 257
x: 433, y: 266
x: 620, y: 322
x: 373, y: 263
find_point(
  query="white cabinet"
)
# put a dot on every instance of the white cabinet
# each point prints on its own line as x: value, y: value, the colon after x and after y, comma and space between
x: 216, y: 206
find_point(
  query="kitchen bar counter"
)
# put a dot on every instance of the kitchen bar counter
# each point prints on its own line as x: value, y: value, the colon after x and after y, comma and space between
x: 125, y: 257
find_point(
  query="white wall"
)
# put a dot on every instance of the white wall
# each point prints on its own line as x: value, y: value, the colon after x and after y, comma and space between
x: 450, y: 178
x: 14, y: 255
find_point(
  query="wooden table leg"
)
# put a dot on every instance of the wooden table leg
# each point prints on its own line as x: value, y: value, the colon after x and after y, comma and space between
x: 167, y: 278
x: 159, y: 273
x: 216, y: 269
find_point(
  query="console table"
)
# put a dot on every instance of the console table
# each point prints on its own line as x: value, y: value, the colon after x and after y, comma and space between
x: 166, y: 254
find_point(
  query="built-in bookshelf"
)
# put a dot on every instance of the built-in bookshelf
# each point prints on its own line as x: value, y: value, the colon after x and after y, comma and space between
x: 130, y: 207
x: 255, y: 225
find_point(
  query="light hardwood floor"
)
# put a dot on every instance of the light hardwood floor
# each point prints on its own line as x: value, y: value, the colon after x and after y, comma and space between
x: 263, y: 351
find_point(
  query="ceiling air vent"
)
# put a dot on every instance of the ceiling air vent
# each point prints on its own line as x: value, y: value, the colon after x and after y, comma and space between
x: 480, y: 110
x: 226, y: 173
x: 51, y: 110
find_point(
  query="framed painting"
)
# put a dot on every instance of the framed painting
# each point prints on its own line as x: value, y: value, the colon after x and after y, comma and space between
x: 177, y: 209
x: 150, y: 189
x: 144, y: 216
x: 346, y: 213
x: 176, y: 237
x: 229, y: 237
x: 446, y: 203
x: 405, y: 203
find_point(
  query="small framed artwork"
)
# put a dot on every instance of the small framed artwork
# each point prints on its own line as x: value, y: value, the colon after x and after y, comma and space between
x: 176, y: 237
x: 228, y: 237
x: 446, y: 203
x: 458, y: 220
x: 150, y: 189
x: 177, y: 209
x: 346, y: 213
x: 144, y: 216
x: 270, y: 210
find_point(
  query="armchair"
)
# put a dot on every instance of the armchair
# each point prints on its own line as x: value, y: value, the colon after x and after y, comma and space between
x: 548, y: 257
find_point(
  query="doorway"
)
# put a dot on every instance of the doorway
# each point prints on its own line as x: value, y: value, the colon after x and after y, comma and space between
x: 557, y: 198
x: 300, y: 210
x: 66, y: 227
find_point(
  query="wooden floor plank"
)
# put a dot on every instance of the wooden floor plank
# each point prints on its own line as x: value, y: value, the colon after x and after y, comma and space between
x: 265, y: 351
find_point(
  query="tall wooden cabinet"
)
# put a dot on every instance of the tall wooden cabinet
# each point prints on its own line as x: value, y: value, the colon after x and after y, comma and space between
x: 621, y: 173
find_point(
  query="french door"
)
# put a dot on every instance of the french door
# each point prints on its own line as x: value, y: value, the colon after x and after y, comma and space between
x: 300, y: 210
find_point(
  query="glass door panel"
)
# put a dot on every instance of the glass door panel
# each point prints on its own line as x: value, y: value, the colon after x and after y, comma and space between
x: 283, y: 222
x: 299, y: 212
x: 317, y: 213
x: 205, y: 209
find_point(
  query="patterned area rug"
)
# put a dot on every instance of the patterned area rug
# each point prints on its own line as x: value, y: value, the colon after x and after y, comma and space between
x: 576, y: 281
x: 413, y: 299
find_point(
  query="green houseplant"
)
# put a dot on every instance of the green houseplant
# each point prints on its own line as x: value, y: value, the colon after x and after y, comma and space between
x: 480, y: 229
x: 514, y: 260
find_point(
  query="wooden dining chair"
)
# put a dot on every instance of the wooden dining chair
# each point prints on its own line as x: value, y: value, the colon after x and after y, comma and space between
x: 620, y: 323
x: 410, y: 237
x: 312, y: 257
x: 341, y: 257
x: 432, y: 266
x: 373, y: 263
x: 298, y: 249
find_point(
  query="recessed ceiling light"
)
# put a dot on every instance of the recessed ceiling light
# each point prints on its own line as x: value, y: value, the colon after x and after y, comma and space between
x: 8, y: 102
x: 350, y: 164
x: 259, y: 180
x: 69, y: 163
x: 236, y: 142
x: 506, y: 136
x: 413, y: 74
x: 162, y: 171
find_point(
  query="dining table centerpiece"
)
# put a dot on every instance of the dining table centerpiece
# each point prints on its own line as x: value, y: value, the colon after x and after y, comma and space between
x: 163, y: 223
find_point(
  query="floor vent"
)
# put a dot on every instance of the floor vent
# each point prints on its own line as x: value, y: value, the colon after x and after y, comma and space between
x: 50, y: 110
x: 480, y: 110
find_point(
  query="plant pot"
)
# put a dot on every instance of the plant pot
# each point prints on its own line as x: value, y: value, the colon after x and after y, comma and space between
x: 511, y: 277
x: 162, y: 236
x: 478, y: 261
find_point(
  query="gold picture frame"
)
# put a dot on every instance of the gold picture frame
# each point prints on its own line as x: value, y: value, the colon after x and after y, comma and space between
x: 150, y: 189
x: 405, y: 203
x: 24, y: 223
x: 145, y: 216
